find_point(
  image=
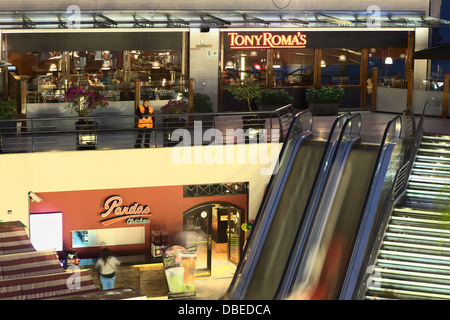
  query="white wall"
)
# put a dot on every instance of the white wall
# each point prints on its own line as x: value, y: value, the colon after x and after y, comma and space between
x: 203, y: 67
x: 93, y: 170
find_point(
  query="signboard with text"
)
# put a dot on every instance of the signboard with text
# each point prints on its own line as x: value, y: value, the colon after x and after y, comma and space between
x: 132, y: 214
x: 267, y: 40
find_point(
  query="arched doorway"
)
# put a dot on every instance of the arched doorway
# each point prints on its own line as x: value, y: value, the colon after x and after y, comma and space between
x: 215, y: 229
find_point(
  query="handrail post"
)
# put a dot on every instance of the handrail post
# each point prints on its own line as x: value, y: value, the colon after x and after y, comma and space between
x: 445, y: 101
x: 410, y: 88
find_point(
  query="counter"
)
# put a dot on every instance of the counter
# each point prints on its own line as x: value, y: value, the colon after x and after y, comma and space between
x: 148, y: 277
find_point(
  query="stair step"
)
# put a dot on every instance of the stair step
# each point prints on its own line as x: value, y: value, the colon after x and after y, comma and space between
x: 441, y: 152
x: 384, y: 294
x: 413, y: 184
x: 430, y: 158
x: 414, y: 257
x: 431, y: 172
x: 443, y: 138
x: 415, y: 286
x: 420, y: 231
x: 432, y: 165
x: 409, y: 247
x: 442, y: 195
x: 391, y: 235
x: 414, y: 266
x: 428, y: 277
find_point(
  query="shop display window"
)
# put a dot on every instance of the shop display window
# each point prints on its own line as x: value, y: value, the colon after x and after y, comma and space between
x: 391, y: 66
x: 340, y: 67
x: 293, y: 68
x: 46, y: 231
x: 242, y: 64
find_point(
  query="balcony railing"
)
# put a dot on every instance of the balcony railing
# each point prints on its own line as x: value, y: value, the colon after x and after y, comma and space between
x: 120, y: 132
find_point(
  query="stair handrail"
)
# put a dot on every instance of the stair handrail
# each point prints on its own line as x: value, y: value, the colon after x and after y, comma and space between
x: 397, y: 190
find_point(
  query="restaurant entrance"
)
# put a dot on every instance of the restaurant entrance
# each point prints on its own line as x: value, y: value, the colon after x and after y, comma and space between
x: 215, y: 230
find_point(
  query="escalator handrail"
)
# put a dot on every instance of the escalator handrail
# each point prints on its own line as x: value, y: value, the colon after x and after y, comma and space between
x: 343, y: 133
x: 298, y: 131
x: 379, y: 228
x: 391, y: 136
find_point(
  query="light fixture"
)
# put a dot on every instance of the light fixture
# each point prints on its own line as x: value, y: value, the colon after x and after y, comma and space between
x: 388, y: 60
x: 53, y: 67
x: 342, y: 58
x: 229, y: 65
x: 323, y: 64
x: 156, y: 65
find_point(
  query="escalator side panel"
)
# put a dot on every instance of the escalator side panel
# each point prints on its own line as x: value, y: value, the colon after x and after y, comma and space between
x: 334, y: 248
x: 276, y: 249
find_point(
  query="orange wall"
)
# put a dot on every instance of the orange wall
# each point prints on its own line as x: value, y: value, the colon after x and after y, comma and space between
x: 82, y: 210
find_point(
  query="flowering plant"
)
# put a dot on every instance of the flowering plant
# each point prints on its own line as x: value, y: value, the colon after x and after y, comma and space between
x: 83, y: 101
x: 175, y: 107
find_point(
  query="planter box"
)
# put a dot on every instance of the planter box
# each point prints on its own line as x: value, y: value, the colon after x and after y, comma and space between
x: 86, y: 135
x: 324, y: 109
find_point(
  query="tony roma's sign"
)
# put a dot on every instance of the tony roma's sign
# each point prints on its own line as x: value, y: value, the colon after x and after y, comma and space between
x: 267, y: 40
x: 115, y: 212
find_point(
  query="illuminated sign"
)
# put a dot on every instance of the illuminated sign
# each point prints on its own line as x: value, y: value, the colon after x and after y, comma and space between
x: 267, y: 40
x: 115, y: 212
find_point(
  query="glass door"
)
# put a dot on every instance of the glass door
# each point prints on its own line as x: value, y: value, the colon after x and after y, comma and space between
x: 234, y: 235
x: 197, y: 233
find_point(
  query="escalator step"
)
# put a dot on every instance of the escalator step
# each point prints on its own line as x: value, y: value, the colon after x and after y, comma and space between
x: 433, y: 223
x: 428, y: 194
x: 391, y: 235
x: 429, y: 137
x: 423, y: 277
x: 412, y: 184
x: 432, y: 165
x: 432, y: 172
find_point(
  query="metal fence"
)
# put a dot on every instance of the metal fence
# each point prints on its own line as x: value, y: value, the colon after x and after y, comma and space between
x: 120, y: 132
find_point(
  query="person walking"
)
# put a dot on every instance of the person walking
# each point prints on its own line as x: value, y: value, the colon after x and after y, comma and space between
x: 107, y: 265
x: 145, y: 124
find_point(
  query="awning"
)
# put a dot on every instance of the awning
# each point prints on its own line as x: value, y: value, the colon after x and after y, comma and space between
x: 441, y: 52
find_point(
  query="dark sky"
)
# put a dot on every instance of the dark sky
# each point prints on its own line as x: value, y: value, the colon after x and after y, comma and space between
x: 444, y: 31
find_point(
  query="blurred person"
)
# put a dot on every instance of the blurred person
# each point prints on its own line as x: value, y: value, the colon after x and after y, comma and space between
x: 107, y: 264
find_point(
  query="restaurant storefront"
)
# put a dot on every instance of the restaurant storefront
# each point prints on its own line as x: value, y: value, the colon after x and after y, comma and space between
x: 127, y: 220
x: 295, y: 60
x: 110, y: 63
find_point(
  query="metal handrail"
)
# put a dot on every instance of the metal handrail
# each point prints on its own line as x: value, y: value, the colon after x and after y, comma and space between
x: 397, y: 190
x: 391, y: 136
x: 120, y: 131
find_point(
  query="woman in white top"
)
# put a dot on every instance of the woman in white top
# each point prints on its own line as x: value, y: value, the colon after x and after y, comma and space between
x: 107, y: 265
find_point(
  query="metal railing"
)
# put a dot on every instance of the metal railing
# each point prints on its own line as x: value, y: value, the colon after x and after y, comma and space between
x: 120, y: 132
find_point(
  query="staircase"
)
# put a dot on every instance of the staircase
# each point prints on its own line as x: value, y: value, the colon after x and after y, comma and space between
x: 414, y: 259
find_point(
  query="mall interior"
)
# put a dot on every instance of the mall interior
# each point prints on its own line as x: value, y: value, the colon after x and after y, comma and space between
x: 293, y: 150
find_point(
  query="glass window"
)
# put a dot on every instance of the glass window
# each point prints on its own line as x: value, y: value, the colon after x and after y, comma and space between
x: 293, y: 68
x: 242, y: 64
x: 391, y: 66
x: 340, y: 67
x: 159, y: 72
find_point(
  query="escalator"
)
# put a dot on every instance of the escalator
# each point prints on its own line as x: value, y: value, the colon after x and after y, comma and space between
x: 413, y: 261
x: 305, y: 223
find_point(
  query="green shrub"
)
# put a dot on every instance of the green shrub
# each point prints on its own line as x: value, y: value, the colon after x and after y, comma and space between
x: 271, y: 97
x: 202, y: 103
x: 325, y: 95
x: 7, y: 109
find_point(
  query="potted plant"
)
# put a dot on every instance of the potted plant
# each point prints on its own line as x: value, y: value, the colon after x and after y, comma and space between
x: 203, y: 104
x: 249, y: 90
x: 173, y: 121
x: 271, y: 99
x: 7, y: 111
x: 324, y: 101
x: 83, y: 101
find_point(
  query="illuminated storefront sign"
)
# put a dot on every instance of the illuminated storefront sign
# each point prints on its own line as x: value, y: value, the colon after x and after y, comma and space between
x: 134, y: 214
x: 267, y: 40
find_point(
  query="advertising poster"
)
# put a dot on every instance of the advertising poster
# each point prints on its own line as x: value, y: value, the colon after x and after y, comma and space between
x: 179, y: 264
